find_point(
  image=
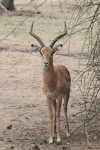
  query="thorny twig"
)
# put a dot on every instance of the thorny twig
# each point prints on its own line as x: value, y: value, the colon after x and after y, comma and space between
x: 89, y: 77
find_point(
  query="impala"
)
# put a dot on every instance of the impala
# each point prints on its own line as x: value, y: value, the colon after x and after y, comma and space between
x: 55, y: 84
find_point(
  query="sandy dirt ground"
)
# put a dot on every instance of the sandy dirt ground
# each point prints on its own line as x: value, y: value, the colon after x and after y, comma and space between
x: 22, y: 103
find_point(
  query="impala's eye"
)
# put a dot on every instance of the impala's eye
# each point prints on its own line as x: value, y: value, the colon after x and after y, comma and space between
x: 41, y: 53
x: 52, y: 53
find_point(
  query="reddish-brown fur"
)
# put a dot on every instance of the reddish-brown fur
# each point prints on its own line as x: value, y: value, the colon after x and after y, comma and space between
x: 55, y: 85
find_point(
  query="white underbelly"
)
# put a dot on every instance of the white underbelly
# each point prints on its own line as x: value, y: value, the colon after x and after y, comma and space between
x: 54, y: 95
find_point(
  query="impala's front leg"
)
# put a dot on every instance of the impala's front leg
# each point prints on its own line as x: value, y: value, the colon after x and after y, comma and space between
x: 49, y: 103
x: 59, y: 102
x: 54, y: 123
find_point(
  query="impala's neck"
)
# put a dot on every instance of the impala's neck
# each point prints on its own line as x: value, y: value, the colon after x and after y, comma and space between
x: 49, y: 77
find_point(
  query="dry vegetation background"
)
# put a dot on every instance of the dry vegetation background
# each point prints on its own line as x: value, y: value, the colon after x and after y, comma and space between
x: 22, y: 102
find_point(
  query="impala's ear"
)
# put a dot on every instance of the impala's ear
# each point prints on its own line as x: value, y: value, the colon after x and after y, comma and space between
x: 56, y: 48
x: 36, y: 48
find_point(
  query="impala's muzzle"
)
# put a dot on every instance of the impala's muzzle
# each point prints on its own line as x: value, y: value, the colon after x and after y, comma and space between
x: 46, y: 64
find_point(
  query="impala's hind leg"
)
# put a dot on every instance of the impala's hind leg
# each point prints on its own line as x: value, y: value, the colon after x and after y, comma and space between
x: 54, y: 123
x: 66, y: 98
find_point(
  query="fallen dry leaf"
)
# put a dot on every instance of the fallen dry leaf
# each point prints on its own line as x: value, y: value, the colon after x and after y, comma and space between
x: 9, y: 127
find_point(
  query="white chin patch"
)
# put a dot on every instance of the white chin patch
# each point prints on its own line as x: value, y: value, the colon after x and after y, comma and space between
x: 45, y: 66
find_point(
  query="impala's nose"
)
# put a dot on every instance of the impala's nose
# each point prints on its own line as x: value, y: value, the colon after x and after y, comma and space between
x: 46, y: 64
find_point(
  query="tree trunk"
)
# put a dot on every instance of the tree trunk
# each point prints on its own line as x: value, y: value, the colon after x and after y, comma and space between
x: 8, y: 4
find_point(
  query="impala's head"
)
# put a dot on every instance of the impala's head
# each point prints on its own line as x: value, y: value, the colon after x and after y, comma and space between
x: 47, y: 59
x: 46, y: 52
x: 47, y: 56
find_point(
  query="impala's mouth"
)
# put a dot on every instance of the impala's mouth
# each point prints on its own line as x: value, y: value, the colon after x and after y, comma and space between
x: 46, y: 65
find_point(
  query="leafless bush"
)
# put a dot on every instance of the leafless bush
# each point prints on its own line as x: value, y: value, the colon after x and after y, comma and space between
x: 89, y: 78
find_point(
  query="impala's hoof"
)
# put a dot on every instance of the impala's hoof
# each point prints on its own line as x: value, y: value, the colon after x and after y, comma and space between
x: 51, y: 141
x: 58, y: 141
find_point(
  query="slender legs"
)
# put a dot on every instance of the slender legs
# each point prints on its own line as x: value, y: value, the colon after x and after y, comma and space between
x: 54, y: 123
x: 65, y: 113
x: 57, y: 108
x: 49, y: 103
x: 59, y: 102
